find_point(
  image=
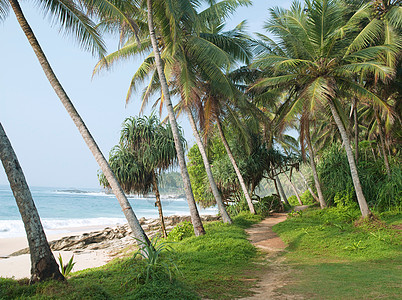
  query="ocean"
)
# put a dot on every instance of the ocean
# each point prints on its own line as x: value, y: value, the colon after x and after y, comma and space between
x: 64, y: 209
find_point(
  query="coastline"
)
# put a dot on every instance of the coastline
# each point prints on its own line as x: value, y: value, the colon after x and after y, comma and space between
x: 92, y: 246
x: 19, y: 267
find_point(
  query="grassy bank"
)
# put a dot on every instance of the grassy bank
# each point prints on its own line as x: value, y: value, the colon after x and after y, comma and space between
x: 212, y: 266
x: 335, y: 258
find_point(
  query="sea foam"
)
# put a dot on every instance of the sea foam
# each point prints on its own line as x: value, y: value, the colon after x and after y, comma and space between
x: 15, y: 228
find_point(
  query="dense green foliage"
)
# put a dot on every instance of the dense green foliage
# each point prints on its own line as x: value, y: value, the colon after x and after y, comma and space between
x: 254, y: 166
x: 263, y: 206
x: 146, y: 148
x: 355, y: 260
x: 306, y: 198
x: 181, y: 231
x: 381, y: 191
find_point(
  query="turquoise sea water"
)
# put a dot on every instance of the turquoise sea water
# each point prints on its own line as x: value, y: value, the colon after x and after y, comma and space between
x: 62, y: 209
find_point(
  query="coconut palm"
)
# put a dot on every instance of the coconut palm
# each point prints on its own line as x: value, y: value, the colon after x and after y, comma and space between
x: 73, y: 20
x: 43, y: 264
x: 275, y: 105
x: 320, y: 53
x: 200, y: 53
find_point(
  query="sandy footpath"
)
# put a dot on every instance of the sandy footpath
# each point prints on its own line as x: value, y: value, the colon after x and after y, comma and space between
x: 19, y: 266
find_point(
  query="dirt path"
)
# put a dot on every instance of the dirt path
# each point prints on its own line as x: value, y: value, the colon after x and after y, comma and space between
x: 274, y: 271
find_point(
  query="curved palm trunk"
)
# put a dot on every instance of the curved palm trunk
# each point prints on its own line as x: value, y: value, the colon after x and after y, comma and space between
x: 277, y: 192
x: 158, y: 203
x: 353, y: 170
x: 281, y: 191
x: 195, y: 217
x: 225, y: 216
x: 308, y: 187
x: 294, y: 189
x: 314, y: 170
x: 384, y: 152
x: 233, y: 161
x: 356, y: 121
x: 86, y: 135
x: 43, y: 264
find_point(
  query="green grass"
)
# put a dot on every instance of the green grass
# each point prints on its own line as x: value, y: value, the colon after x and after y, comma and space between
x: 334, y: 259
x: 217, y: 265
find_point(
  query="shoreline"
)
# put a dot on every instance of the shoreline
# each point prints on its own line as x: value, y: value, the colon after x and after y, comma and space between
x: 92, y: 246
x: 18, y: 267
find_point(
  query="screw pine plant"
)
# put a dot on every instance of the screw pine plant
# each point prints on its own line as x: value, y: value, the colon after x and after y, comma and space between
x: 66, y: 268
x: 156, y: 263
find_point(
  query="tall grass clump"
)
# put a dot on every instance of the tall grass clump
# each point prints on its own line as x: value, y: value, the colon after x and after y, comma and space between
x: 382, y: 192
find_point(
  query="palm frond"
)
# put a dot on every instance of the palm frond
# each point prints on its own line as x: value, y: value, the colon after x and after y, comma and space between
x: 4, y: 9
x: 74, y: 22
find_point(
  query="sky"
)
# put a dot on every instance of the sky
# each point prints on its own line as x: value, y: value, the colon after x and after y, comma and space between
x: 47, y: 143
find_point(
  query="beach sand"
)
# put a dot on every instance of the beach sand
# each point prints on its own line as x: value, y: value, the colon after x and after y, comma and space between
x: 105, y: 244
x: 18, y: 267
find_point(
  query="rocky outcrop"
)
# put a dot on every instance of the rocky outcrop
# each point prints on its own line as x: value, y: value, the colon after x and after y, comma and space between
x: 115, y: 238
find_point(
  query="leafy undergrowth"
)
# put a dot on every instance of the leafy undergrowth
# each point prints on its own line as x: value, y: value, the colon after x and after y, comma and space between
x: 336, y: 257
x: 212, y: 266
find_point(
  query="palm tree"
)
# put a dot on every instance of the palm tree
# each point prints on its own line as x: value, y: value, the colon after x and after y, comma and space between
x: 43, y: 264
x: 153, y: 147
x: 195, y: 217
x: 280, y: 113
x: 321, y: 52
x: 199, y: 53
x: 73, y: 19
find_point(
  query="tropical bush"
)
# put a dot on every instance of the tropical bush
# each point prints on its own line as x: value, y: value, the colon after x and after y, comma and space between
x: 381, y: 191
x: 306, y: 198
x: 156, y: 264
x: 181, y: 231
x: 262, y: 205
x: 267, y: 204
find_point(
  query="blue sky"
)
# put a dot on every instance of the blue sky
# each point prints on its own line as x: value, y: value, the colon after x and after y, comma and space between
x: 48, y: 145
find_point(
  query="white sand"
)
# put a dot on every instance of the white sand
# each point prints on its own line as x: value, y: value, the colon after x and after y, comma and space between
x: 20, y: 266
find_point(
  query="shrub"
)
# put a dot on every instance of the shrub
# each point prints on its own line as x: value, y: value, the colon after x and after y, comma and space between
x: 267, y: 204
x: 262, y: 206
x: 346, y: 199
x: 181, y: 231
x: 390, y: 191
x: 237, y: 207
x: 306, y: 198
x: 380, y: 190
x: 154, y: 264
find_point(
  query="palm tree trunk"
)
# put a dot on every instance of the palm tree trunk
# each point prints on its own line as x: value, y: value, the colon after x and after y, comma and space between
x: 314, y: 170
x: 281, y: 191
x: 373, y: 152
x: 308, y: 187
x: 43, y: 264
x: 356, y: 131
x: 353, y: 170
x: 86, y: 135
x: 384, y: 152
x: 225, y: 216
x: 195, y: 217
x: 277, y: 192
x: 294, y: 189
x: 233, y: 161
x: 158, y: 203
